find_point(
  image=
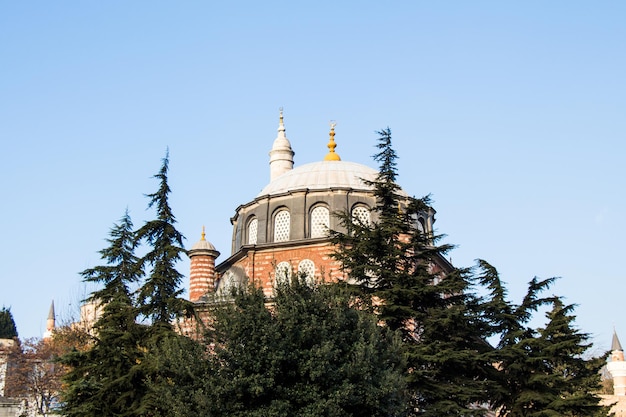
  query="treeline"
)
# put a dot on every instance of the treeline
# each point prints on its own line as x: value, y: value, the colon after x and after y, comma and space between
x: 400, y: 337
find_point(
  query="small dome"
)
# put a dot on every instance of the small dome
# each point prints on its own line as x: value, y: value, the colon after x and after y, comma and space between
x: 203, y: 244
x: 323, y: 175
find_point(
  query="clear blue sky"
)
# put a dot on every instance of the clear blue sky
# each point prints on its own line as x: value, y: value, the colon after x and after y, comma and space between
x: 511, y: 114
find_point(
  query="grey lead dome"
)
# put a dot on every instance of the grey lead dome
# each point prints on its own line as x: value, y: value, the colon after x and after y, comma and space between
x: 323, y: 175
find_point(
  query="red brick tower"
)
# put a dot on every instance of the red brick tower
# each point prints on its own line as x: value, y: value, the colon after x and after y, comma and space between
x: 202, y: 273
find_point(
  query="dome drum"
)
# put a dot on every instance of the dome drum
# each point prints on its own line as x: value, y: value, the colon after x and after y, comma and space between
x: 289, y: 219
x: 299, y: 204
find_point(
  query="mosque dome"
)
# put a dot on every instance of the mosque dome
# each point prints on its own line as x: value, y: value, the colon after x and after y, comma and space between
x: 285, y: 228
x: 322, y: 175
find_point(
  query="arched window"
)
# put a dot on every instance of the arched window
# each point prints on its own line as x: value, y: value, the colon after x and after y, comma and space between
x: 283, y: 272
x: 226, y: 284
x: 306, y: 267
x: 320, y: 221
x: 361, y: 215
x: 281, y: 226
x: 253, y: 228
x: 421, y: 225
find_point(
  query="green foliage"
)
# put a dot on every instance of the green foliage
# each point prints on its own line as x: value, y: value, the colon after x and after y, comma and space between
x: 122, y: 267
x: 7, y: 324
x: 407, y: 336
x: 309, y: 354
x: 103, y: 379
x: 159, y: 295
x: 181, y: 379
x: 417, y: 293
x: 545, y: 371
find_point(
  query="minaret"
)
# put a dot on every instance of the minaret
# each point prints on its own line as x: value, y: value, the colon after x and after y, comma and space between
x: 50, y: 322
x: 617, y: 366
x: 202, y: 270
x: 281, y: 155
x: 332, y: 155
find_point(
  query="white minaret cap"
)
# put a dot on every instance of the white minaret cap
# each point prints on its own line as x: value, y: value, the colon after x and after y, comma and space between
x: 281, y: 155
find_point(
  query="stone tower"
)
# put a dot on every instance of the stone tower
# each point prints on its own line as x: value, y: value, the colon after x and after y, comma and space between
x: 202, y: 270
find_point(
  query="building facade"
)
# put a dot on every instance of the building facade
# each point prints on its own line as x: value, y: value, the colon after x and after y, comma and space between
x: 284, y: 229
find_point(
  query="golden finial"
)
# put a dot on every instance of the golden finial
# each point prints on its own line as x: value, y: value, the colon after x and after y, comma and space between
x: 331, y: 155
x: 203, y: 234
x: 281, y: 115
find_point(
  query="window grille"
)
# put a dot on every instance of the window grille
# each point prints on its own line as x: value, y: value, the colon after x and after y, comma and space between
x: 253, y: 227
x: 283, y: 272
x: 361, y: 215
x: 307, y: 267
x: 320, y: 221
x: 281, y: 226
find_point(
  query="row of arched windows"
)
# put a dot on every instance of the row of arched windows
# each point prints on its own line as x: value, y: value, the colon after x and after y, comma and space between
x: 306, y: 267
x: 319, y: 223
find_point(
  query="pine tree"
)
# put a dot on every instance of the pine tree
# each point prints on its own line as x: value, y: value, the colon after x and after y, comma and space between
x: 543, y: 371
x: 577, y: 374
x: 402, y: 269
x: 8, y: 330
x: 103, y: 380
x: 159, y: 295
x: 546, y: 373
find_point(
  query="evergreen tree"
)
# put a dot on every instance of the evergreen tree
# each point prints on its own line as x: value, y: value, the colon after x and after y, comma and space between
x: 576, y: 374
x: 309, y: 354
x: 159, y: 295
x: 7, y: 324
x: 184, y: 386
x: 415, y: 292
x: 544, y: 371
x: 103, y: 380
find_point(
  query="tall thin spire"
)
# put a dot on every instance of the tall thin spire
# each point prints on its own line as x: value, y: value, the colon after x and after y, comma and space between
x: 281, y: 155
x: 50, y: 322
x: 615, y: 344
x: 332, y: 155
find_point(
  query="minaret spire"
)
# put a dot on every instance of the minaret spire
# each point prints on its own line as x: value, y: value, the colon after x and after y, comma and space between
x: 281, y: 155
x: 617, y: 366
x: 332, y: 155
x: 50, y: 322
x: 615, y: 344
